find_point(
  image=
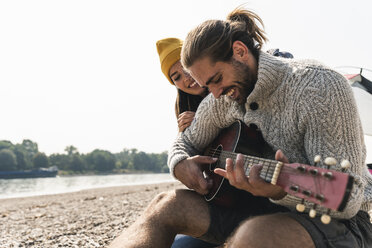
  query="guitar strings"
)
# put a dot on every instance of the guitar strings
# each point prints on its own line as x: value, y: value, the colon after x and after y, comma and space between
x: 233, y: 155
x: 268, y: 165
x: 254, y: 160
x: 247, y: 158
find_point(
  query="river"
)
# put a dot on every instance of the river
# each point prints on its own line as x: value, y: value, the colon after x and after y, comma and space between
x: 10, y: 188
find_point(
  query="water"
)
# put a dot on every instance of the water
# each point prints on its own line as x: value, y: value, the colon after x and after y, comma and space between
x: 11, y: 188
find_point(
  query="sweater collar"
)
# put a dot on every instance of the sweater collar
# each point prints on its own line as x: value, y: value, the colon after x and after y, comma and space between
x: 271, y: 71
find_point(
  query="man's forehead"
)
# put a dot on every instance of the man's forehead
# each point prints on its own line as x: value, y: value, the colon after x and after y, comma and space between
x: 202, y: 70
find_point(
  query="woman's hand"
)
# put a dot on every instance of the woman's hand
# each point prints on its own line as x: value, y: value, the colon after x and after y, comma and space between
x: 184, y: 120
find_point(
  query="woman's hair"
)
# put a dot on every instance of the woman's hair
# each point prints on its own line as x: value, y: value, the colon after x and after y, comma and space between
x: 186, y: 102
x: 214, y: 38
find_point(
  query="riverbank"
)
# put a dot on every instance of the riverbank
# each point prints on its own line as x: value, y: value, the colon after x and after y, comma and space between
x: 87, y: 218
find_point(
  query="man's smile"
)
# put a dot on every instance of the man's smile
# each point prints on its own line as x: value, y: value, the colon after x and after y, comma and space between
x: 231, y: 92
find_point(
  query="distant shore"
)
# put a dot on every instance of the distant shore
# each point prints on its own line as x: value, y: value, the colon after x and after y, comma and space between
x: 87, y: 218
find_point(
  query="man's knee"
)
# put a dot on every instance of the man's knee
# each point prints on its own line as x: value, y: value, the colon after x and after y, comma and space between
x: 247, y: 232
x: 179, y: 209
x: 267, y: 230
x: 161, y: 197
x: 162, y: 202
x: 172, y: 202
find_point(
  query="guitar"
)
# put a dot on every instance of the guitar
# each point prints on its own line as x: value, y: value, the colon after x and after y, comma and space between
x: 321, y: 186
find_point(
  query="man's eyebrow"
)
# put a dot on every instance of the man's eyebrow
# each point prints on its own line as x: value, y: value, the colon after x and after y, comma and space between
x: 210, y: 79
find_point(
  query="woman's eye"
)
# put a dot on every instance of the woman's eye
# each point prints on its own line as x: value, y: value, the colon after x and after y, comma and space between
x: 176, y: 78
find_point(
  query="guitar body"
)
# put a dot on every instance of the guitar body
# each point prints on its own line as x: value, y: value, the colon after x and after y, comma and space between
x: 237, y: 138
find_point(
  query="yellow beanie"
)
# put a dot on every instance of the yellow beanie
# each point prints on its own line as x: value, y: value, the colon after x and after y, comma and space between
x: 169, y: 51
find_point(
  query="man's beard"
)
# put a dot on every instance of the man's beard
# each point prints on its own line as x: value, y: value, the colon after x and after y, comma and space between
x: 246, y: 79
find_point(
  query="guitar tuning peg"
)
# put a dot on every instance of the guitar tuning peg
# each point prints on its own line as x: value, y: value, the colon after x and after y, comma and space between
x: 330, y: 161
x: 345, y: 164
x: 312, y: 212
x: 300, y: 207
x: 317, y: 159
x: 325, y: 219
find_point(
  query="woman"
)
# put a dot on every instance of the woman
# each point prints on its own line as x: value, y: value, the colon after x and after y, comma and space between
x: 189, y: 95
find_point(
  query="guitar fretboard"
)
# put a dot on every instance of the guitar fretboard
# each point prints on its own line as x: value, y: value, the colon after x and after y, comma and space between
x: 267, y: 171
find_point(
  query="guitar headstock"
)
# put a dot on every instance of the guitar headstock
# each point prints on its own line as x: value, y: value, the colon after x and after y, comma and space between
x: 321, y: 186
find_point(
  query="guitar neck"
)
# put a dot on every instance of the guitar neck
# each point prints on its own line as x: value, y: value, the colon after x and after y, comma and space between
x: 268, y: 169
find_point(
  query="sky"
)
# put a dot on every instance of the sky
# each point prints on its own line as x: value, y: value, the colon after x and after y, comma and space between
x: 86, y: 73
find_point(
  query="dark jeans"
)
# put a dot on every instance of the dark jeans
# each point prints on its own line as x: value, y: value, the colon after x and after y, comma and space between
x: 184, y: 241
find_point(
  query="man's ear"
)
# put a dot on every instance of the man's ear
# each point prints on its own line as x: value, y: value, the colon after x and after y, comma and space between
x: 240, y: 50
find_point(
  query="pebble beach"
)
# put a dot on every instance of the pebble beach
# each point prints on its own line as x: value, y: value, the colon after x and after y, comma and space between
x: 87, y: 218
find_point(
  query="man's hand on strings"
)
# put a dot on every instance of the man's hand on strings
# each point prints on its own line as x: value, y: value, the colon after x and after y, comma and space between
x: 252, y: 183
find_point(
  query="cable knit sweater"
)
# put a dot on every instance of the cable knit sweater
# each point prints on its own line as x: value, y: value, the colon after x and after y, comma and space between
x: 304, y: 109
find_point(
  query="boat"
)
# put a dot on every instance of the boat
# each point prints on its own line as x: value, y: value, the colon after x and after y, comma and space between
x: 34, y: 173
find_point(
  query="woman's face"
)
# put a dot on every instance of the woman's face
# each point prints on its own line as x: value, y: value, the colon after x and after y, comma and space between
x: 184, y: 81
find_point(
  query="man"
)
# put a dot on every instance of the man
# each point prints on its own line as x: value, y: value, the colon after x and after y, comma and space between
x: 301, y: 107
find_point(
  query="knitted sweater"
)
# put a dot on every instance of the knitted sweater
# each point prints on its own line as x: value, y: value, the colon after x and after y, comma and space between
x: 304, y: 109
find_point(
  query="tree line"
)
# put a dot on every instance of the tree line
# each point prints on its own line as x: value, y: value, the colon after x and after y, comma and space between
x: 26, y: 156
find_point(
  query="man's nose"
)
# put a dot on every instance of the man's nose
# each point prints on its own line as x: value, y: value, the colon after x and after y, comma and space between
x: 216, y: 91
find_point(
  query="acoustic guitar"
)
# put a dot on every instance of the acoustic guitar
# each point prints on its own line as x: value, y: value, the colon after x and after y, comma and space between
x: 321, y: 186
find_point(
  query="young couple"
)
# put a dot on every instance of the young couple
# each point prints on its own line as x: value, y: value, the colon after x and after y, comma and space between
x: 301, y: 108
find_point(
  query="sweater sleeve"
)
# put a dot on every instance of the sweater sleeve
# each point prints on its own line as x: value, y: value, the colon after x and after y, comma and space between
x: 211, y: 116
x: 329, y: 120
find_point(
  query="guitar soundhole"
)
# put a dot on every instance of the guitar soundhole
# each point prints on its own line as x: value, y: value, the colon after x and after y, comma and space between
x: 216, y: 154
